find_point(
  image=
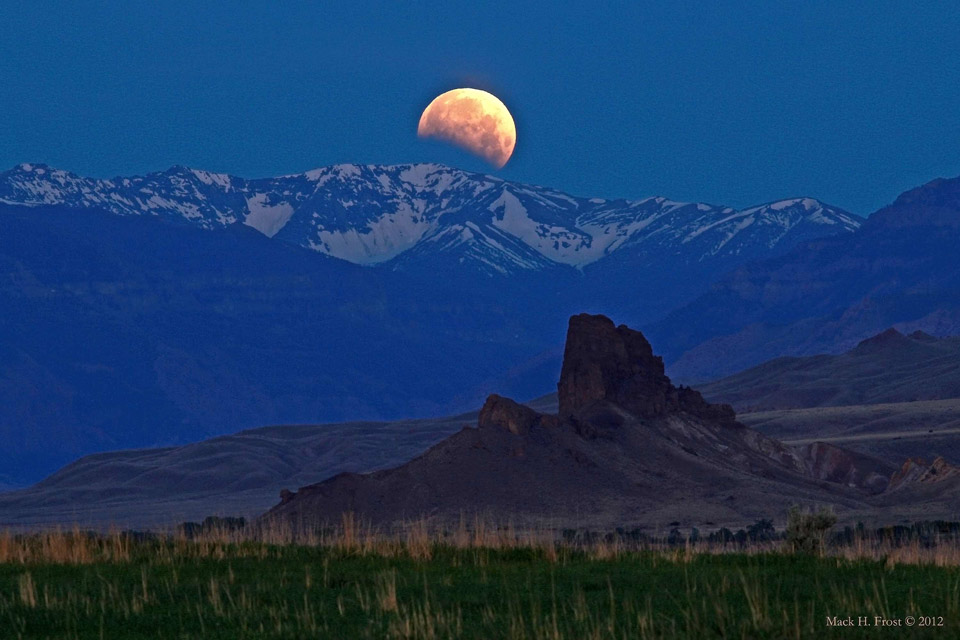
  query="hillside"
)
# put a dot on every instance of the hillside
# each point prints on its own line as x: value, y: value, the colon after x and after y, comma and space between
x: 238, y: 475
x: 893, y: 397
x: 124, y: 332
x: 168, y: 308
x: 890, y: 432
x: 627, y: 448
x: 886, y: 368
x: 825, y: 296
x: 682, y: 446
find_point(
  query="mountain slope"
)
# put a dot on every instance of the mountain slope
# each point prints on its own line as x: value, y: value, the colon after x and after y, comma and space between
x: 826, y: 295
x: 626, y: 449
x: 122, y: 332
x: 371, y: 214
x: 684, y: 460
x: 889, y: 367
x: 170, y: 307
x: 238, y: 475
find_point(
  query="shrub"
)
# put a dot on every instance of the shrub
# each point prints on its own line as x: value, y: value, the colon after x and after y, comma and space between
x: 807, y: 529
x: 211, y: 525
x: 721, y: 535
x: 675, y: 537
x: 761, y: 531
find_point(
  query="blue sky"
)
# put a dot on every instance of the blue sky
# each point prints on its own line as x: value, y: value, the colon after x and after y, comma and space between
x: 725, y: 102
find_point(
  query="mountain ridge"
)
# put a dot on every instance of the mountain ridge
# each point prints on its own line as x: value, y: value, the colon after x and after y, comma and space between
x: 376, y: 214
x: 886, y: 368
x: 183, y: 322
x: 827, y: 294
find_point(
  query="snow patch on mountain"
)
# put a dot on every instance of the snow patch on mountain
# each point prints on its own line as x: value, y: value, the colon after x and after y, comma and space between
x: 558, y: 243
x: 265, y: 217
x: 373, y: 214
x: 206, y: 177
x: 378, y: 241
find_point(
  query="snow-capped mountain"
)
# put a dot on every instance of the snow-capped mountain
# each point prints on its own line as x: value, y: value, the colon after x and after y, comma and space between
x: 141, y: 311
x: 402, y: 215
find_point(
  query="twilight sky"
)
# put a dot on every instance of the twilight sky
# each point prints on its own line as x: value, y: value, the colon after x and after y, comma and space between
x: 726, y: 102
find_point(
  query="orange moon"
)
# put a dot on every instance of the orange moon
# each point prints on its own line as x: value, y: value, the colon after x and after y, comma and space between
x: 472, y: 119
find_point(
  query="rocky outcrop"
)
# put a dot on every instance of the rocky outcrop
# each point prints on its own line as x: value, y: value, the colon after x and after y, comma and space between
x: 604, y: 364
x: 504, y: 413
x: 825, y: 461
x: 628, y: 448
x: 917, y: 471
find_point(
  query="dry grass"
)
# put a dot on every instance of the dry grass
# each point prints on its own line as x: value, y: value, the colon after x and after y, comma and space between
x: 419, y: 582
x: 418, y: 540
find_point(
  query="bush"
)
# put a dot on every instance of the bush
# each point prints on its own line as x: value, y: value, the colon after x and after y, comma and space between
x: 762, y: 531
x: 723, y: 535
x: 807, y: 530
x: 210, y: 525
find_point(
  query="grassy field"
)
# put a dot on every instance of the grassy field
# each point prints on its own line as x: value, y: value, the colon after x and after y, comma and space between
x: 74, y: 585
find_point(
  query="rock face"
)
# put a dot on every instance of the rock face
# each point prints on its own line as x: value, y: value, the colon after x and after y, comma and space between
x: 628, y: 448
x: 835, y: 464
x: 604, y: 364
x: 504, y: 413
x: 916, y: 471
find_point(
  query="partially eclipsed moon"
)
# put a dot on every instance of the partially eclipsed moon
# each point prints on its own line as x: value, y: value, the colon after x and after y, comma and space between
x: 472, y: 119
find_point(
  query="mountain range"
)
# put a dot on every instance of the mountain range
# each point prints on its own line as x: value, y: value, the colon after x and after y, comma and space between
x: 899, y: 269
x: 181, y: 305
x: 404, y: 215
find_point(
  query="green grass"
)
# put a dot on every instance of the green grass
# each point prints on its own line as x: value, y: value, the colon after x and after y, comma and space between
x: 180, y: 589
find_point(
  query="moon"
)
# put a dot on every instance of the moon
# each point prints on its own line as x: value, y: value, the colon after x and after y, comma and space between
x: 474, y: 120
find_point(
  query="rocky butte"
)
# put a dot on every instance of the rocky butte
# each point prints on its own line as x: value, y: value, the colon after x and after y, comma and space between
x: 627, y: 448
